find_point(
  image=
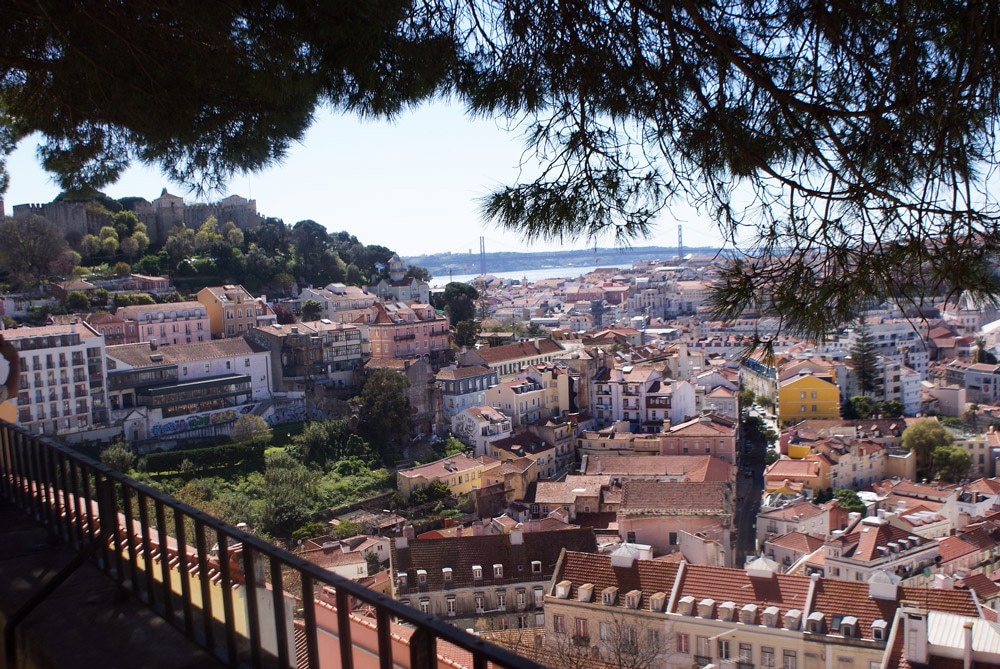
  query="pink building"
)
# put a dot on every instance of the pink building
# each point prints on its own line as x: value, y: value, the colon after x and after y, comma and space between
x: 171, y: 323
x: 398, y: 330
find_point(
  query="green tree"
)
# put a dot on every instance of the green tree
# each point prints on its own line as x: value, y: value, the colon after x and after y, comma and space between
x: 859, y: 407
x: 289, y: 493
x: 311, y: 310
x: 250, y: 427
x: 90, y: 246
x: 458, y: 300
x: 849, y: 500
x: 385, y: 410
x: 467, y: 333
x: 77, y: 300
x: 865, y: 360
x: 149, y: 265
x: 324, y: 443
x: 347, y: 529
x: 372, y: 562
x: 858, y: 139
x: 923, y: 437
x: 28, y: 246
x: 951, y: 463
x: 118, y: 456
x: 890, y: 408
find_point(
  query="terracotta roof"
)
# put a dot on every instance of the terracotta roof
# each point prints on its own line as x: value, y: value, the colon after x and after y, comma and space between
x: 834, y: 597
x: 669, y: 498
x: 495, y: 355
x: 695, y: 468
x: 447, y: 466
x: 800, y: 509
x: 647, y: 576
x: 799, y: 542
x: 462, y: 553
x: 735, y: 585
x: 789, y: 468
x: 707, y: 424
x: 457, y: 373
x: 952, y: 548
x: 984, y: 587
x: 140, y: 355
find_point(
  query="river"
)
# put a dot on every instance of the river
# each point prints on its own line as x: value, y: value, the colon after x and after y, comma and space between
x: 529, y: 274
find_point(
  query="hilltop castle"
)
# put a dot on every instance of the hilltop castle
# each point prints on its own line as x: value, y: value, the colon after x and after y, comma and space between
x: 79, y: 218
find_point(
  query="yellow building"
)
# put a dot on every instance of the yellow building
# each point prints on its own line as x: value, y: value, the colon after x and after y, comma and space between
x: 232, y: 311
x: 806, y: 395
x: 461, y: 473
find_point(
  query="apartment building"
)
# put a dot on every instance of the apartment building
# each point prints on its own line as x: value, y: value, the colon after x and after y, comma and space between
x: 491, y: 581
x: 170, y: 323
x: 461, y: 473
x: 306, y: 354
x: 232, y: 310
x: 478, y: 427
x: 188, y: 389
x: 62, y: 385
x: 463, y: 387
x: 398, y: 330
x: 684, y: 615
x: 339, y: 303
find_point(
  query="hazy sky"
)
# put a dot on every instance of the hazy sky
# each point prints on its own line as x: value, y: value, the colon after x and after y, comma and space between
x: 411, y: 185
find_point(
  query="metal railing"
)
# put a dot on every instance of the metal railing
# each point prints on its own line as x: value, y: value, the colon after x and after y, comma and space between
x: 243, y: 600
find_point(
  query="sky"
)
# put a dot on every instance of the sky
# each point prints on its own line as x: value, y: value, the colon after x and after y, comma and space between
x: 411, y: 185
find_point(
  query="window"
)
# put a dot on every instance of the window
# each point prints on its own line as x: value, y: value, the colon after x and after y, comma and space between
x: 536, y: 567
x: 425, y: 606
x: 539, y: 596
x: 422, y: 577
x: 522, y: 622
x: 788, y: 659
x: 683, y: 643
x: 673, y: 538
x: 582, y: 629
x: 746, y: 652
x: 766, y: 656
x: 559, y: 624
x: 802, y: 408
x: 723, y: 645
x: 604, y: 630
x: 813, y: 395
x: 802, y: 395
x: 451, y: 606
x: 498, y: 571
x: 501, y: 600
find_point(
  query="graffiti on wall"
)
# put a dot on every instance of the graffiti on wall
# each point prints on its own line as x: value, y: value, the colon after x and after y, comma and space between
x: 186, y: 423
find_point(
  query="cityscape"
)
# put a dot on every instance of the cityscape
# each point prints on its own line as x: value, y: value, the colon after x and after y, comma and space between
x: 586, y: 471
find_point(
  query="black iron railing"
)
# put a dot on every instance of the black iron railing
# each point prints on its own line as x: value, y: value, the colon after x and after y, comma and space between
x: 235, y: 595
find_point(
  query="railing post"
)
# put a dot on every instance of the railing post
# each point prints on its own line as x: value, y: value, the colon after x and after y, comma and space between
x: 423, y: 649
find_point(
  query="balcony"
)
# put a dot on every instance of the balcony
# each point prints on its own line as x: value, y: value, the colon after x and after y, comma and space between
x: 192, y: 590
x: 702, y: 660
x: 404, y: 337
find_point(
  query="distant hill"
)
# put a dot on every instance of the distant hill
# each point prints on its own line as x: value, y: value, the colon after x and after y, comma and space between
x: 439, y: 264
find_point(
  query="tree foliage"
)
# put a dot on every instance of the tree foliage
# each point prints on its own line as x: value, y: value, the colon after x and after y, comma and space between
x: 311, y: 310
x: 951, y: 463
x: 849, y: 500
x: 385, y: 410
x: 118, y: 456
x: 843, y: 148
x: 865, y: 360
x: 28, y: 246
x: 923, y: 438
x: 326, y: 443
x: 250, y: 427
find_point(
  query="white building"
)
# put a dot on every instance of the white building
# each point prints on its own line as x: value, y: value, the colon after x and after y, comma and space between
x: 62, y: 385
x: 170, y: 392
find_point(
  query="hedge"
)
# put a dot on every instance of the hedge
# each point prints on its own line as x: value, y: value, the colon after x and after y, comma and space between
x: 213, y: 456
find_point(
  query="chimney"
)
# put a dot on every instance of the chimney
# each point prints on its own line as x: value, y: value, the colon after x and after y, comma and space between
x: 967, y: 654
x: 458, y: 531
x: 915, y: 631
x: 409, y: 532
x: 477, y: 528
